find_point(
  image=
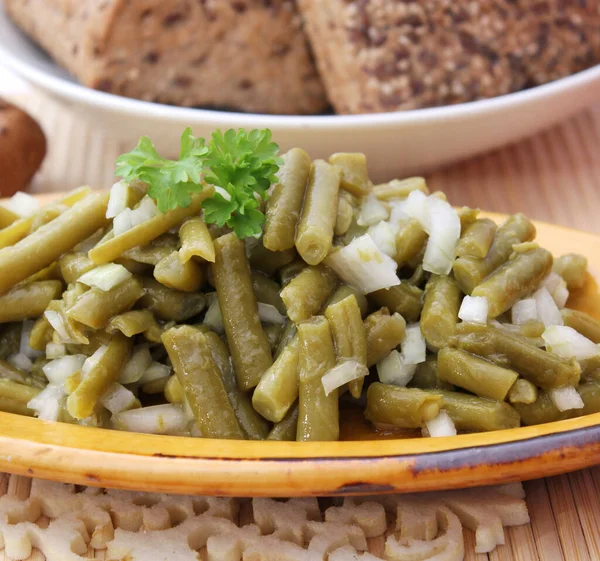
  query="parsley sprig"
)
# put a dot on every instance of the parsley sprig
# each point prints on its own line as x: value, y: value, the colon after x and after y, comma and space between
x: 240, y: 164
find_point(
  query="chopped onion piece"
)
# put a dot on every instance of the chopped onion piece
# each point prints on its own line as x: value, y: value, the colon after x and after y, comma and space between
x: 417, y: 206
x: 105, y: 277
x: 552, y: 281
x: 145, y: 211
x: 384, y: 237
x: 47, y: 403
x: 392, y: 370
x: 122, y: 222
x: 117, y: 398
x: 561, y: 294
x: 524, y: 311
x: 157, y: 419
x: 442, y: 425
x: 213, y: 317
x: 134, y: 369
x: 548, y: 312
x: 372, y: 211
x: 58, y: 370
x: 398, y: 217
x: 56, y: 321
x: 342, y: 374
x: 413, y: 346
x: 24, y: 347
x: 22, y: 204
x: 569, y: 343
x: 55, y: 350
x: 474, y: 309
x: 566, y: 398
x: 156, y: 371
x: 364, y: 266
x: 117, y: 200
x: 269, y: 314
x: 20, y: 361
x: 91, y: 361
x: 444, y: 232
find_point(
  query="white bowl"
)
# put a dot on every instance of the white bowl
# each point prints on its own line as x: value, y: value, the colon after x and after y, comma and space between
x: 396, y: 144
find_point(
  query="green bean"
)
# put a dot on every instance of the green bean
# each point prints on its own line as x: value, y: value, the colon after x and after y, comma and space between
x: 134, y: 267
x: 95, y: 307
x: 306, y: 293
x: 355, y: 177
x: 155, y: 386
x: 585, y: 324
x: 400, y: 188
x: 82, y: 402
x: 9, y: 372
x: 475, y: 374
x: 286, y: 429
x: 36, y: 377
x: 267, y: 291
x: 196, y: 241
x: 288, y: 333
x: 545, y: 370
x: 318, y: 417
x: 48, y: 243
x: 174, y: 391
x: 14, y: 397
x: 426, y: 376
x: 344, y: 291
x: 51, y: 272
x: 132, y: 323
x: 73, y: 329
x: 28, y: 301
x: 471, y: 413
x: 407, y: 408
x: 269, y: 262
x: 144, y: 233
x: 10, y: 339
x: 417, y: 277
x: 410, y: 241
x: 384, y: 333
x: 285, y: 203
x: 572, y: 268
x: 440, y: 310
x: 467, y: 216
x: 73, y: 265
x: 590, y: 365
x: 172, y: 273
x: 154, y: 252
x: 273, y: 333
x: 344, y: 215
x: 522, y: 391
x: 278, y: 388
x: 514, y: 279
x: 202, y: 385
x: 469, y: 271
x: 403, y: 299
x: 477, y: 238
x: 248, y: 343
x: 168, y: 304
x: 314, y: 236
x: 40, y: 334
x: 350, y: 336
x: 7, y: 217
x: 543, y: 409
x: 291, y: 270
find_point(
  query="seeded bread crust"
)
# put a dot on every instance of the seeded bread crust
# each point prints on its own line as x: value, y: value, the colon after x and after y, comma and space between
x: 250, y: 55
x: 389, y: 55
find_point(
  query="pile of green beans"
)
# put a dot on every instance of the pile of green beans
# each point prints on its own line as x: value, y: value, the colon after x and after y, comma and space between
x: 236, y: 336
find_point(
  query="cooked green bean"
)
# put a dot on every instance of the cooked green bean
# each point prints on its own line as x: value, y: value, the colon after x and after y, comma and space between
x: 285, y: 205
x: 523, y: 391
x: 410, y: 241
x: 400, y: 188
x: 7, y: 217
x: 14, y: 397
x: 440, y: 310
x: 475, y: 374
x: 469, y: 271
x: 95, y: 307
x: 585, y: 324
x: 572, y: 268
x: 291, y: 270
x: 41, y: 334
x: 467, y: 216
x: 273, y: 332
x: 174, y: 391
x: 29, y: 300
x: 306, y: 293
x: 355, y: 178
x: 196, y: 241
x: 168, y: 304
x: 73, y: 265
x: 155, y: 386
x: 48, y: 243
x: 172, y: 273
x: 350, y: 336
x: 417, y: 277
x: 202, y: 385
x: 403, y: 299
x: 82, y: 402
x: 132, y: 323
x: 249, y: 345
x: 514, y: 279
x: 73, y: 329
x: 318, y: 417
x: 314, y: 236
x: 286, y: 429
x: 155, y: 251
x: 407, y: 408
x: 344, y: 291
x: 278, y: 388
x: 471, y: 413
x: 426, y: 376
x: 477, y: 238
x: 10, y: 339
x: 269, y: 262
x: 134, y: 267
x: 384, y: 333
x: 344, y: 215
x: 267, y: 291
x: 542, y: 368
x: 9, y: 372
x: 287, y: 334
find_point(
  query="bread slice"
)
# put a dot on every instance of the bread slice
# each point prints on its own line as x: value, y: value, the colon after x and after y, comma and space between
x: 380, y: 55
x: 249, y: 55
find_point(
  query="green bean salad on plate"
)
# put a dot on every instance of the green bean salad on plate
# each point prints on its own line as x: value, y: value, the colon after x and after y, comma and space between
x: 233, y: 293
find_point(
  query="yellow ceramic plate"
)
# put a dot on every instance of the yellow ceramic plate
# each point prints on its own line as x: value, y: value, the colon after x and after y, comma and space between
x: 243, y: 468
